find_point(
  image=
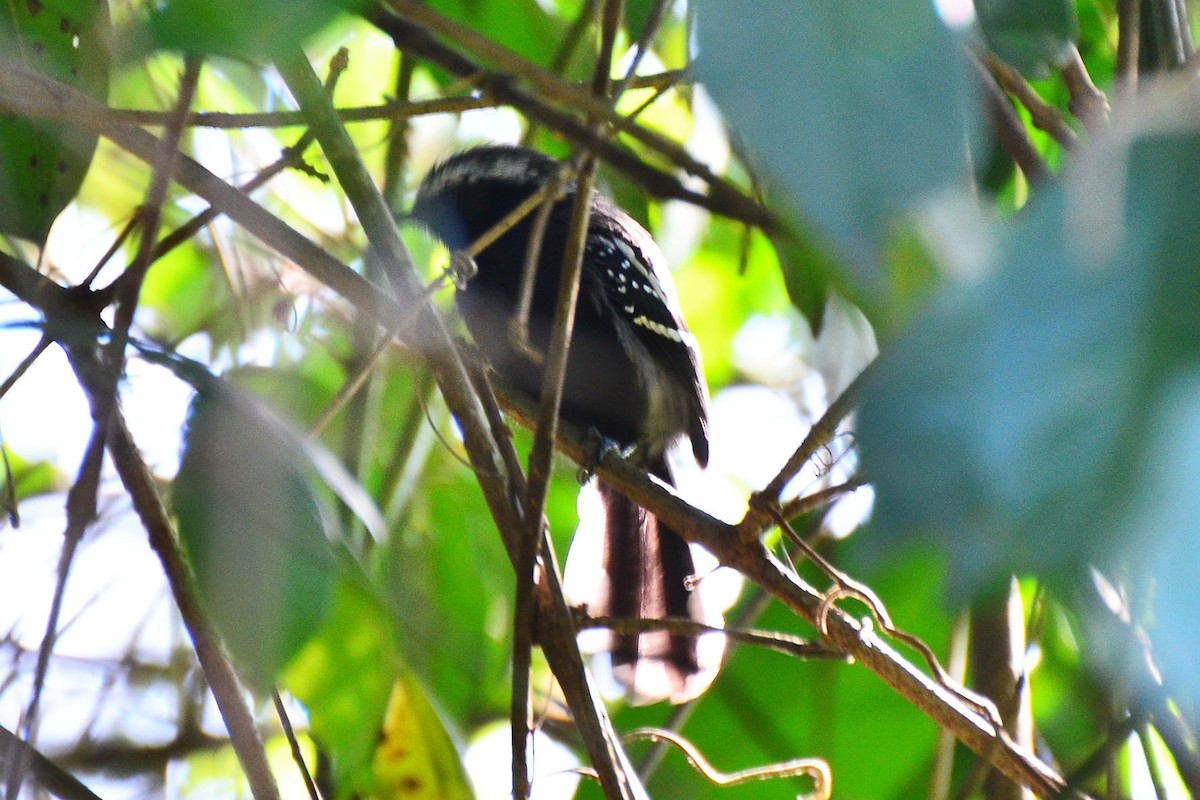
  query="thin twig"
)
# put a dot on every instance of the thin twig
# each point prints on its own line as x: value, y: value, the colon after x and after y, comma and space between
x: 810, y: 502
x: 721, y: 197
x: 557, y: 637
x: 1044, y: 116
x: 353, y: 385
x: 815, y: 768
x: 821, y: 433
x: 289, y: 733
x: 1009, y: 129
x: 25, y: 364
x: 541, y: 455
x: 784, y: 643
x: 554, y: 376
x: 81, y: 510
x: 27, y: 92
x: 290, y: 157
x: 654, y: 21
x: 395, y: 110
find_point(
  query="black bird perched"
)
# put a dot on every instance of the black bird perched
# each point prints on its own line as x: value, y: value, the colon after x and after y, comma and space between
x: 633, y: 374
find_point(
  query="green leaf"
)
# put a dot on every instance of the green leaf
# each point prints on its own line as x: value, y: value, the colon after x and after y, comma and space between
x: 367, y: 709
x: 1032, y: 35
x: 1020, y: 422
x: 448, y: 585
x: 344, y: 677
x: 184, y: 294
x: 42, y: 164
x: 255, y: 29
x: 522, y: 26
x: 27, y: 478
x: 415, y: 758
x: 857, y: 109
x: 766, y: 707
x: 255, y: 533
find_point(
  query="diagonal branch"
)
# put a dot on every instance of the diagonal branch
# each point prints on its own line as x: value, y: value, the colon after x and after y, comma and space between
x: 722, y: 198
x: 608, y: 757
x: 556, y: 629
x: 751, y: 559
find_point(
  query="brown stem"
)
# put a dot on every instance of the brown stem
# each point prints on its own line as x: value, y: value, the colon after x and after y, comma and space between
x: 1087, y: 103
x: 1010, y: 130
x: 1044, y: 116
x: 557, y: 637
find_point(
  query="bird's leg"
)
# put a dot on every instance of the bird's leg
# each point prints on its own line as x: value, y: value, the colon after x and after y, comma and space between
x: 599, y: 446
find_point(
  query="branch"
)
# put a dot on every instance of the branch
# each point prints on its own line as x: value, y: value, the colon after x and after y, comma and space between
x: 1009, y: 128
x: 18, y: 84
x: 785, y: 643
x: 1087, y: 103
x: 751, y: 559
x: 431, y: 336
x: 70, y: 321
x: 1129, y: 13
x: 46, y: 774
x: 1044, y: 116
x: 722, y: 198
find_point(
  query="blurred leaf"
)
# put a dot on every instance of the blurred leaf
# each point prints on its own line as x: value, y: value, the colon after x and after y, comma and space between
x: 27, y: 478
x: 415, y: 757
x: 42, y: 164
x: 1167, y: 518
x: 254, y: 29
x: 183, y: 294
x: 255, y: 533
x: 1032, y: 35
x: 522, y: 26
x: 344, y: 677
x: 1020, y: 422
x: 857, y: 109
x: 367, y: 709
x: 448, y: 585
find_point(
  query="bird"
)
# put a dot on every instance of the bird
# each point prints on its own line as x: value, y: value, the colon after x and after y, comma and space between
x: 634, y: 376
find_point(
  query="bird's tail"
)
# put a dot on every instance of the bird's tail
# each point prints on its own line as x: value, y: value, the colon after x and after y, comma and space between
x: 647, y: 572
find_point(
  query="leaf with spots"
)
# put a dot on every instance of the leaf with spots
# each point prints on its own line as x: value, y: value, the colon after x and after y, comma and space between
x: 42, y: 163
x: 366, y: 707
x: 415, y: 758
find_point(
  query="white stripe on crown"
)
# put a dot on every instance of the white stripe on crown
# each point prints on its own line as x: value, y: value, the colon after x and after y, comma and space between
x: 508, y: 166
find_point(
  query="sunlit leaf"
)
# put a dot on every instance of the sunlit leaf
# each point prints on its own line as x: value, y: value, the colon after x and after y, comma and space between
x: 255, y: 533
x: 415, y: 758
x: 183, y: 294
x: 367, y: 710
x: 42, y: 164
x: 520, y: 25
x: 448, y: 584
x: 27, y: 478
x: 256, y: 29
x: 344, y: 678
